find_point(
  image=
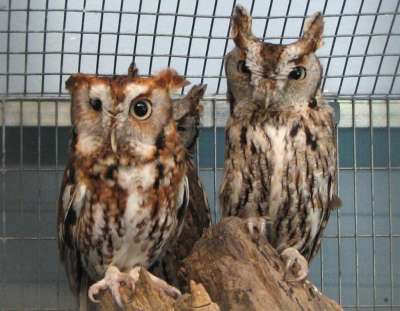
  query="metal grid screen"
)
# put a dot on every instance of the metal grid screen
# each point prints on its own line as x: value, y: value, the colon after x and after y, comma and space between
x: 42, y: 42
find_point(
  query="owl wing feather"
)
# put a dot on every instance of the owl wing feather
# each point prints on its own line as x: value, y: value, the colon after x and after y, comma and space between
x: 333, y: 202
x: 184, y: 202
x: 193, y: 218
x: 316, y: 243
x: 71, y: 200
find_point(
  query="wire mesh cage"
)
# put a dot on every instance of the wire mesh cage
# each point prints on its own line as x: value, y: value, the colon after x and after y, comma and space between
x: 42, y: 42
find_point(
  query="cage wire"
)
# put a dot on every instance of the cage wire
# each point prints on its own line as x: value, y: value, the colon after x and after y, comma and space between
x: 42, y: 42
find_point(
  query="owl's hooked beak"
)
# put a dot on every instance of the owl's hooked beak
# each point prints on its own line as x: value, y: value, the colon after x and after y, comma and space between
x: 113, y: 135
x: 114, y: 146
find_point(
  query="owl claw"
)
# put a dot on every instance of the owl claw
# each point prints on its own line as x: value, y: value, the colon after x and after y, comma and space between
x: 161, y: 284
x: 295, y: 264
x: 168, y: 289
x: 257, y: 226
x: 95, y: 289
x: 112, y: 280
x: 313, y: 287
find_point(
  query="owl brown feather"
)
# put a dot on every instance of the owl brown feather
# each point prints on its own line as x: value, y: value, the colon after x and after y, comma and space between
x: 186, y: 113
x: 280, y: 159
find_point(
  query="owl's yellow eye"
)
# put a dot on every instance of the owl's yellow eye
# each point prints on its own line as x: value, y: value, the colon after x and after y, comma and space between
x: 141, y: 109
x: 242, y: 67
x: 95, y: 103
x: 297, y: 73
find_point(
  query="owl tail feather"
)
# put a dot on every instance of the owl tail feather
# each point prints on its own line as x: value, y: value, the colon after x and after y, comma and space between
x: 83, y: 294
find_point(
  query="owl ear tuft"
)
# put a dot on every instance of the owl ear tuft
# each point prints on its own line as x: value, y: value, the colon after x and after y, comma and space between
x: 190, y: 104
x: 171, y: 80
x: 197, y: 92
x: 133, y: 71
x: 241, y: 27
x: 313, y: 31
x: 311, y: 39
x: 73, y: 81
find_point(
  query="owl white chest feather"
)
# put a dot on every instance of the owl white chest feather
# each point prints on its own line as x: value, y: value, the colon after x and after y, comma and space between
x: 133, y: 252
x: 142, y: 240
x: 137, y: 220
x: 286, y: 165
x: 129, y: 178
x: 282, y: 154
x: 279, y: 156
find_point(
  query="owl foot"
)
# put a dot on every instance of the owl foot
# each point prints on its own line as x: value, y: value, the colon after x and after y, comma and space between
x: 313, y: 288
x: 159, y: 283
x: 295, y: 264
x: 257, y: 226
x: 112, y: 280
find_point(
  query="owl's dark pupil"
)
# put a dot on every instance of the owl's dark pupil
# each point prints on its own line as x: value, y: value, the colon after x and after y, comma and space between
x: 96, y: 104
x: 297, y: 73
x: 140, y: 109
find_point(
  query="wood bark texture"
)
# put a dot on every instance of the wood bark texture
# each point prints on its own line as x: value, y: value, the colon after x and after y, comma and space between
x: 228, y: 270
x: 149, y: 298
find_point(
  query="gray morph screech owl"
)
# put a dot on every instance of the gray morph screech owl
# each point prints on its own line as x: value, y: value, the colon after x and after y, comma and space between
x: 125, y: 191
x: 280, y: 151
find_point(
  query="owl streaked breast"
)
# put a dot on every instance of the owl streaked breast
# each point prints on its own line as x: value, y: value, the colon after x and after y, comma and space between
x: 280, y: 149
x: 281, y: 165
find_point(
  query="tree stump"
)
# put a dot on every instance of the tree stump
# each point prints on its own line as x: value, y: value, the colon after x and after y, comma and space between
x: 227, y: 270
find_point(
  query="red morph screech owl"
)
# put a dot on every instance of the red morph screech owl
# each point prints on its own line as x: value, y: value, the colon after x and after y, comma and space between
x: 125, y: 191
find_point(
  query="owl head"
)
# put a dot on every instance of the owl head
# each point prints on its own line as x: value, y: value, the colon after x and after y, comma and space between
x: 122, y: 114
x: 186, y: 112
x: 279, y: 74
x: 238, y: 76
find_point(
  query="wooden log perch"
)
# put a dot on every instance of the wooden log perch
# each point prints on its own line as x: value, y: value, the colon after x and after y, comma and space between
x: 236, y: 272
x: 240, y: 274
x: 149, y: 298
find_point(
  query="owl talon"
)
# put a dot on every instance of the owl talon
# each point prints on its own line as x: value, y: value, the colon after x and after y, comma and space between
x: 257, y: 226
x: 313, y: 287
x: 295, y: 264
x: 171, y: 291
x: 95, y: 289
x: 112, y: 280
x: 160, y: 284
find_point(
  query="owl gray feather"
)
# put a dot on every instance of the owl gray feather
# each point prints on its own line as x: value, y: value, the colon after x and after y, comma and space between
x: 280, y: 149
